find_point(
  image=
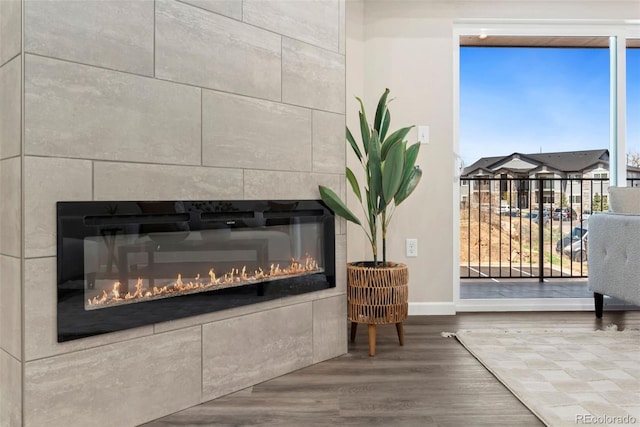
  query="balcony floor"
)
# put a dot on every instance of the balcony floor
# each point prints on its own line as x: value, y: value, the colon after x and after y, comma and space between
x: 523, y: 288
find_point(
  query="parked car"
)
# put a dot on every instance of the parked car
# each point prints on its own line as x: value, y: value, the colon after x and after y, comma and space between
x: 585, y: 215
x: 506, y: 209
x: 574, y: 245
x: 535, y: 217
x: 565, y: 213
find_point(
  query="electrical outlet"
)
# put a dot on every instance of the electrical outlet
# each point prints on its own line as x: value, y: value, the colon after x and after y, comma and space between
x: 412, y: 248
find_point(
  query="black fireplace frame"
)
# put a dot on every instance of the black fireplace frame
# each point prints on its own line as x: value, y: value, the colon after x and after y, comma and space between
x: 78, y: 220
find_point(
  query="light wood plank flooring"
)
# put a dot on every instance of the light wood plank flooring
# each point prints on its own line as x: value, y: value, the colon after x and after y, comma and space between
x: 431, y: 381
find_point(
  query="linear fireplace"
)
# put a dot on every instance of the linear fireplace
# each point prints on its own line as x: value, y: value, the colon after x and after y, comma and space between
x: 122, y: 265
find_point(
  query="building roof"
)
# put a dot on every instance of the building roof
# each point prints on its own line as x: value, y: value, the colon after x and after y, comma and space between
x: 572, y: 161
x: 564, y: 161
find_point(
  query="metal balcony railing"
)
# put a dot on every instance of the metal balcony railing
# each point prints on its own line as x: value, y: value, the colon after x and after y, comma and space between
x: 528, y: 227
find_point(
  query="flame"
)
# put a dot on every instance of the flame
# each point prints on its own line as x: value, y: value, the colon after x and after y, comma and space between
x: 234, y: 277
x: 115, y: 291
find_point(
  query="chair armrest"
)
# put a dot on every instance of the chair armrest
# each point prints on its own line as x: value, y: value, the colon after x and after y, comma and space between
x: 614, y: 255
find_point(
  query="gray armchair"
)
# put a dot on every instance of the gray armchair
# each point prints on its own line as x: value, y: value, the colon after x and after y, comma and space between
x: 614, y: 249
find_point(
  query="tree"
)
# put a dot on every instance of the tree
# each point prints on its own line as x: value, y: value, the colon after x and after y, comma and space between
x: 599, y: 203
x: 633, y: 158
x: 563, y: 200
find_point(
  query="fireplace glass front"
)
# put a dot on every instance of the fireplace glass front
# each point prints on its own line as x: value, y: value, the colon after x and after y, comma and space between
x: 127, y: 264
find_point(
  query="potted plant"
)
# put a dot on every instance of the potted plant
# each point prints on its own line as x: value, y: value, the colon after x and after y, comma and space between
x: 377, y: 292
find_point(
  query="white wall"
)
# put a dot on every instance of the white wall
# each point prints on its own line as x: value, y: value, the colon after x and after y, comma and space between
x: 408, y: 46
x: 358, y: 247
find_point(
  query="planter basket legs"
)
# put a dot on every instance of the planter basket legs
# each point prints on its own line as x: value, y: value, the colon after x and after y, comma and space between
x: 377, y: 296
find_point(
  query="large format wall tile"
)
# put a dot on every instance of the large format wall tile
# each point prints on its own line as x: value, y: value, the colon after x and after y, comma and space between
x: 40, y: 303
x: 310, y: 296
x: 10, y: 29
x: 127, y: 383
x: 95, y: 131
x: 329, y: 328
x: 315, y: 22
x: 47, y: 181
x: 245, y: 132
x: 246, y: 350
x: 217, y: 315
x: 329, y: 142
x: 230, y: 8
x: 341, y: 263
x: 205, y: 49
x: 10, y: 306
x: 312, y: 77
x: 131, y: 181
x: 111, y: 34
x: 265, y: 184
x: 84, y: 112
x: 10, y: 389
x: 10, y: 213
x: 10, y: 108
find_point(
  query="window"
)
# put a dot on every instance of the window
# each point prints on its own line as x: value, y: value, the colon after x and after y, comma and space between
x: 633, y: 103
x: 597, y: 87
x: 504, y: 184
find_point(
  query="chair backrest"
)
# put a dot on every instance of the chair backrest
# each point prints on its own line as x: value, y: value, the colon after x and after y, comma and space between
x: 624, y: 200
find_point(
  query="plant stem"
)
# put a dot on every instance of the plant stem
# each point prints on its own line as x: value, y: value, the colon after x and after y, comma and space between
x: 384, y: 237
x: 375, y: 254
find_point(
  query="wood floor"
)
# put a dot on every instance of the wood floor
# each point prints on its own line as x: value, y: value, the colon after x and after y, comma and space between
x: 431, y: 381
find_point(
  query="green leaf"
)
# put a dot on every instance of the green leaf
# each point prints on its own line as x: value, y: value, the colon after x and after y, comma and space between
x: 365, y: 131
x: 393, y: 138
x: 362, y: 107
x: 380, y: 111
x: 354, y: 184
x: 354, y: 146
x: 393, y: 171
x: 382, y: 203
x: 411, y: 154
x: 373, y: 229
x: 385, y: 125
x: 331, y: 199
x: 407, y: 187
x: 375, y: 171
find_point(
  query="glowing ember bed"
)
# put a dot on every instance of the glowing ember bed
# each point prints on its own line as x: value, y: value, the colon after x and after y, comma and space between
x: 128, y: 264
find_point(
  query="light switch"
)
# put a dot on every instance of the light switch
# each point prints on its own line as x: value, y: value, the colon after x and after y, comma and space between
x: 423, y: 134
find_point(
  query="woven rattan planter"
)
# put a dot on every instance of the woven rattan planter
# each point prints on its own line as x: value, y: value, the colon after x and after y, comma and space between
x: 377, y: 296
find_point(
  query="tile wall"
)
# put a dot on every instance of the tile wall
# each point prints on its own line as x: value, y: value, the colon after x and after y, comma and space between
x: 197, y: 99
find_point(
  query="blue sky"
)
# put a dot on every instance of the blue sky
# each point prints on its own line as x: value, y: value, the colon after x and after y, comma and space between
x: 540, y: 99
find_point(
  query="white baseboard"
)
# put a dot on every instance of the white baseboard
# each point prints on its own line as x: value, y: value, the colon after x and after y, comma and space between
x: 432, y: 309
x: 529, y: 304
x: 515, y: 304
